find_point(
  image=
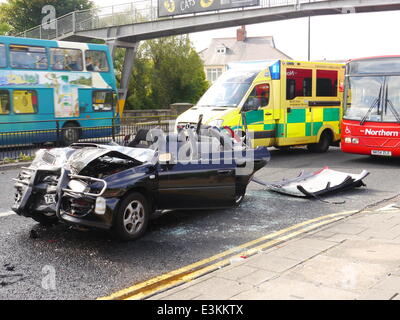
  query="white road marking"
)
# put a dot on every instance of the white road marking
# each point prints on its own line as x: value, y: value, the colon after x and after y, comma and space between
x: 6, y: 214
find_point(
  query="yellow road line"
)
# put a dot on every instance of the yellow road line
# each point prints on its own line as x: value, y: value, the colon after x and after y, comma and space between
x: 195, y: 274
x: 167, y: 280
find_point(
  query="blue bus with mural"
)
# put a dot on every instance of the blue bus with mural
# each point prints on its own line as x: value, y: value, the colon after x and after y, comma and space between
x: 55, y: 91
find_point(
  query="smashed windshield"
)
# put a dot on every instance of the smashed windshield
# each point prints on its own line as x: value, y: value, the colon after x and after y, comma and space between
x: 375, y: 98
x: 228, y: 90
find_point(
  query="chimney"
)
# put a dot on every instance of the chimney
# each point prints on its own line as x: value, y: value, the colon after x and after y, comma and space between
x: 241, y: 34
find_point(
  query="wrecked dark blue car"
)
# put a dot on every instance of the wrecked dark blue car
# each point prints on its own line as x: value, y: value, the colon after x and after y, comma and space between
x: 119, y: 187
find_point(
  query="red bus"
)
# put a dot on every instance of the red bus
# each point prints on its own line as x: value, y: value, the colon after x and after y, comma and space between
x: 371, y: 120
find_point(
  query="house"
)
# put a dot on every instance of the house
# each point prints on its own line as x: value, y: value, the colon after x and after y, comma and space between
x: 222, y: 51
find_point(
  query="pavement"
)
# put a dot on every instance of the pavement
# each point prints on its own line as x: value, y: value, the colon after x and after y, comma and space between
x: 349, y: 257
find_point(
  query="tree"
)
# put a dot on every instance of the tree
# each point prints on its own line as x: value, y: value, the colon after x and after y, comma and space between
x: 22, y: 15
x: 5, y: 28
x: 167, y: 70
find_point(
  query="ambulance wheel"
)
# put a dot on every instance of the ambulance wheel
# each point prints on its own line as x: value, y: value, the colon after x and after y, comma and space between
x: 324, y: 142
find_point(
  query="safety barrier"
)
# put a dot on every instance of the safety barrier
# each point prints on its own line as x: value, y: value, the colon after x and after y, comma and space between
x: 19, y: 144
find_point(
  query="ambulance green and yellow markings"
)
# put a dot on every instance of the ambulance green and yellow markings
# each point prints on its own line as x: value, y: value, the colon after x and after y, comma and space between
x: 255, y: 117
x: 297, y: 121
x: 331, y: 114
x: 296, y: 116
x: 309, y: 129
x: 316, y: 127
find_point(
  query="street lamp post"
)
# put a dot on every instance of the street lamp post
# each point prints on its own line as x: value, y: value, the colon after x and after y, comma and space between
x: 309, y: 38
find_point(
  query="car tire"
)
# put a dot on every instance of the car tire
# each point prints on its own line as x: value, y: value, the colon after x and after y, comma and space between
x: 46, y: 220
x: 132, y: 218
x: 323, y: 145
x: 70, y: 133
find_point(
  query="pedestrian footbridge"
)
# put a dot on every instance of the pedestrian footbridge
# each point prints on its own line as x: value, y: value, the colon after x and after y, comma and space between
x: 139, y: 20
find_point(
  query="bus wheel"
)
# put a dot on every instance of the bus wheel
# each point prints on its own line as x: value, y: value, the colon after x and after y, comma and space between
x: 70, y: 133
x: 323, y: 145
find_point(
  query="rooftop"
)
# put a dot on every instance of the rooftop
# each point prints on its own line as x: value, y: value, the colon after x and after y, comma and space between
x: 245, y: 49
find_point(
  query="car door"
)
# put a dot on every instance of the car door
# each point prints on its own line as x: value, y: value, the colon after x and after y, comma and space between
x: 197, y: 185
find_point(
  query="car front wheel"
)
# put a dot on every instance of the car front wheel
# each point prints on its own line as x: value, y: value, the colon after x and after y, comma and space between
x: 132, y: 217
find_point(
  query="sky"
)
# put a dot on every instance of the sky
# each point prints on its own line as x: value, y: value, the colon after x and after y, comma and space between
x: 336, y: 37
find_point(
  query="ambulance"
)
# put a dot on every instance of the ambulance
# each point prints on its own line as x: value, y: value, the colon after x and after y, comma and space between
x: 278, y: 103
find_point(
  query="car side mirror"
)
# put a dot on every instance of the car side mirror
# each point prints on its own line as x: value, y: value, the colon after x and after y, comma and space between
x: 165, y: 158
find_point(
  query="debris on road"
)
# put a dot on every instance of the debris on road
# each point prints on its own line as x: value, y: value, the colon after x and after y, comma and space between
x: 9, y: 279
x: 315, y: 184
x: 33, y: 234
x: 9, y: 267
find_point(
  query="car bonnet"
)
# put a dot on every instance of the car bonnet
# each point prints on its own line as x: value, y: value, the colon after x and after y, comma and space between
x: 81, y: 158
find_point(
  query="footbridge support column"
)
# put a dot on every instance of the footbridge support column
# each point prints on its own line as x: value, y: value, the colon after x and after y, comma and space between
x: 126, y: 72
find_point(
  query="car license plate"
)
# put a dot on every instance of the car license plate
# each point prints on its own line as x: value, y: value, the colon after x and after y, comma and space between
x: 50, y: 198
x: 381, y: 153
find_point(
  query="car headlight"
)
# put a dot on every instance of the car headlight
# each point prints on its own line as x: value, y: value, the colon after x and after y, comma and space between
x: 100, y: 207
x: 216, y: 123
x: 77, y: 186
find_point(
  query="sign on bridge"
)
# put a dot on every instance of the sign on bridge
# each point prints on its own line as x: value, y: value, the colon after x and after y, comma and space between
x: 179, y: 7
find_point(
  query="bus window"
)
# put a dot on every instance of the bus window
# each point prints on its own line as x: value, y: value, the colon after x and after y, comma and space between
x: 3, y: 59
x: 96, y: 61
x: 4, y: 102
x: 25, y: 101
x: 27, y: 57
x: 259, y: 97
x: 298, y: 83
x: 327, y: 81
x: 103, y: 100
x: 66, y: 59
